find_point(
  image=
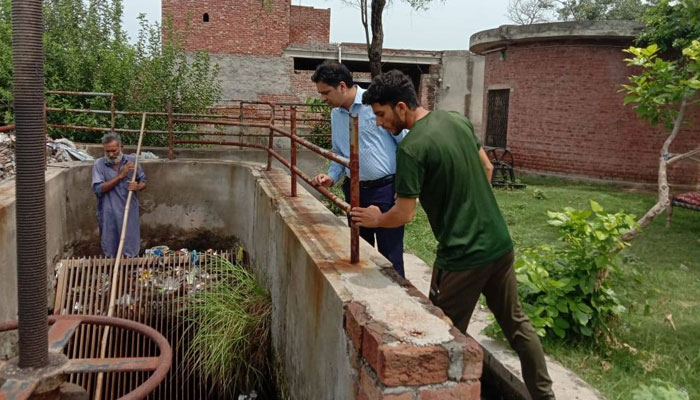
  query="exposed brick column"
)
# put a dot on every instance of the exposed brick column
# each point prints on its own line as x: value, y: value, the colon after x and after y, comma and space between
x: 390, y: 369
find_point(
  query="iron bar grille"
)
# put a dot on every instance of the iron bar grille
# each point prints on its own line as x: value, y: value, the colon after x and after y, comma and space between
x: 150, y: 290
x: 497, y: 118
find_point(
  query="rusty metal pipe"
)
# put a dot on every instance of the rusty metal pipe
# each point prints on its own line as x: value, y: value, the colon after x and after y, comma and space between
x: 330, y: 196
x: 98, y: 94
x: 271, y: 139
x: 354, y: 188
x: 28, y: 67
x: 139, y: 113
x: 171, y: 134
x: 317, y: 149
x: 222, y: 143
x: 112, y: 111
x: 228, y: 123
x: 156, y: 132
x: 293, y: 150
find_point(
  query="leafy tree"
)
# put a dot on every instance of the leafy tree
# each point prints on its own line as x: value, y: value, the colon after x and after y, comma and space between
x: 671, y: 25
x: 662, y: 93
x: 668, y: 84
x: 595, y: 10
x: 371, y: 12
x: 5, y: 62
x: 86, y: 49
x: 527, y: 12
x: 524, y: 11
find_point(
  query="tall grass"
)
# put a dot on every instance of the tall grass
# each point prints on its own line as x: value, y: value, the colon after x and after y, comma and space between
x: 229, y: 326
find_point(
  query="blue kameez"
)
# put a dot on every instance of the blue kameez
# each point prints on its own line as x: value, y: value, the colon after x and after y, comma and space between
x: 110, y: 208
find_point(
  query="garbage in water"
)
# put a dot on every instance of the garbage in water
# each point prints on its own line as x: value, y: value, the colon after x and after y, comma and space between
x: 251, y: 396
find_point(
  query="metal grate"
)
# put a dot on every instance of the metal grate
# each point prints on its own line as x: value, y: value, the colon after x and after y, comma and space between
x: 149, y: 291
x: 497, y: 118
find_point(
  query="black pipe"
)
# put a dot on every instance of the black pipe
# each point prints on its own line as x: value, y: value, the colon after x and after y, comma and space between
x: 28, y: 70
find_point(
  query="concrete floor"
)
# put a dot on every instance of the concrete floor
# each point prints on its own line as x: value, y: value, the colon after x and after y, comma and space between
x: 567, y: 385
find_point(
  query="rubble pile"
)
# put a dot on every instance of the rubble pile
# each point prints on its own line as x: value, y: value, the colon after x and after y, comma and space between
x: 57, y: 150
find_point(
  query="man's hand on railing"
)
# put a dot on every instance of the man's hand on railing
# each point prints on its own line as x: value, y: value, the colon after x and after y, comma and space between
x: 323, y: 180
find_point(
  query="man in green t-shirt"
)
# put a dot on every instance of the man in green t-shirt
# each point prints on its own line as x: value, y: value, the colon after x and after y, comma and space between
x: 441, y: 162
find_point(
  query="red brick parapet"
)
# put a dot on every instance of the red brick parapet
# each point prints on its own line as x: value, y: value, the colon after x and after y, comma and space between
x: 390, y: 368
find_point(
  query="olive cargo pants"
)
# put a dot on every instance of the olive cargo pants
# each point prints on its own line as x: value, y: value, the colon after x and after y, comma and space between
x: 456, y: 293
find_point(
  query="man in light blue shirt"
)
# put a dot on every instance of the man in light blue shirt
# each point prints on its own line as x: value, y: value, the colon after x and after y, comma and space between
x: 111, y: 183
x: 377, y: 154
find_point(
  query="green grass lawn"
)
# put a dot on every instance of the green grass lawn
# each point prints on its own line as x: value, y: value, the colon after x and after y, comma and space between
x: 661, y: 277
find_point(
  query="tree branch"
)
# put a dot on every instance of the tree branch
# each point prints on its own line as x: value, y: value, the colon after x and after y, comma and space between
x: 683, y: 156
x: 664, y: 192
x: 363, y: 14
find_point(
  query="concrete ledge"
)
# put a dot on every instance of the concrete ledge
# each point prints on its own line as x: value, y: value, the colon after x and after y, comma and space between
x: 339, y: 330
x: 485, y: 41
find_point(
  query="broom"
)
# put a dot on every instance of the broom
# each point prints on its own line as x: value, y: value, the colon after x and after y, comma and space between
x: 117, y: 262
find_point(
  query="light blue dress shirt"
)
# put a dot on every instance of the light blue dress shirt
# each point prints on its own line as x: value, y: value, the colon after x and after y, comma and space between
x: 377, y: 145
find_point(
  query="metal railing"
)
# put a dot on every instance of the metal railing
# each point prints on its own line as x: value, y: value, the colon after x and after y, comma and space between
x: 7, y: 128
x: 270, y: 124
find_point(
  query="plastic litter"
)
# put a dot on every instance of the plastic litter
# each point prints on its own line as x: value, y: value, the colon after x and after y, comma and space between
x: 57, y: 150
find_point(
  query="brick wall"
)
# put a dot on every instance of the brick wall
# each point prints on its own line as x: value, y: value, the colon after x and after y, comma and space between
x: 309, y: 25
x: 386, y: 368
x: 566, y: 114
x: 427, y: 89
x: 302, y: 85
x: 234, y: 27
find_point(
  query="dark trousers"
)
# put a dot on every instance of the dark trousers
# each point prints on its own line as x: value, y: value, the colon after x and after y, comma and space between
x: 389, y: 240
x: 456, y: 293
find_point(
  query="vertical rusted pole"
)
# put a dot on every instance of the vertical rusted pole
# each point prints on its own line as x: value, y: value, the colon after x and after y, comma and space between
x: 171, y: 135
x: 240, y: 112
x: 272, y: 137
x: 354, y: 188
x: 46, y: 134
x: 113, y: 112
x: 30, y: 187
x: 293, y: 116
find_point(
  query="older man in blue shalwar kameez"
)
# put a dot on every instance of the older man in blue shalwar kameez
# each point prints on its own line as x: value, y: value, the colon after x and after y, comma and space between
x: 111, y: 183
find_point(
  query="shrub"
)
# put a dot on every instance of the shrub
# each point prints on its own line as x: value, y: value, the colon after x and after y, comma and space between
x: 87, y: 49
x: 564, y: 289
x: 660, y: 390
x: 229, y: 324
x: 320, y: 130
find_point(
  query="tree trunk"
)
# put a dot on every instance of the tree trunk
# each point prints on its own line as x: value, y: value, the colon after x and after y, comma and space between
x: 365, y: 22
x: 664, y: 191
x: 376, y: 47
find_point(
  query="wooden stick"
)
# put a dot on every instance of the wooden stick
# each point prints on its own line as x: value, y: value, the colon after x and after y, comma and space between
x: 117, y: 262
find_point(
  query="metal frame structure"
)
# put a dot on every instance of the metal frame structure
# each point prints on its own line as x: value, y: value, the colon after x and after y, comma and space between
x: 21, y: 384
x: 263, y: 116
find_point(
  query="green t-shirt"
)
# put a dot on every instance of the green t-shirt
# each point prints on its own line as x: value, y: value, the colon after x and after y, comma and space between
x: 438, y: 162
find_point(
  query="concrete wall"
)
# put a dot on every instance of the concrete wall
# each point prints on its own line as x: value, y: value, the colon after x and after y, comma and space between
x: 250, y: 77
x: 70, y: 218
x: 340, y: 331
x: 309, y: 162
x: 461, y: 85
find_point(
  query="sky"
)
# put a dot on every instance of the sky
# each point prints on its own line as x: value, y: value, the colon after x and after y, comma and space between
x: 444, y: 26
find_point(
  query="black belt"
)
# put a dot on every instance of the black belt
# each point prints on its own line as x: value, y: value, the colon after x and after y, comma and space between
x: 374, y: 183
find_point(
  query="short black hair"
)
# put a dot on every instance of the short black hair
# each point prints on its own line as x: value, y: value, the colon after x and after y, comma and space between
x: 391, y: 87
x: 332, y: 73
